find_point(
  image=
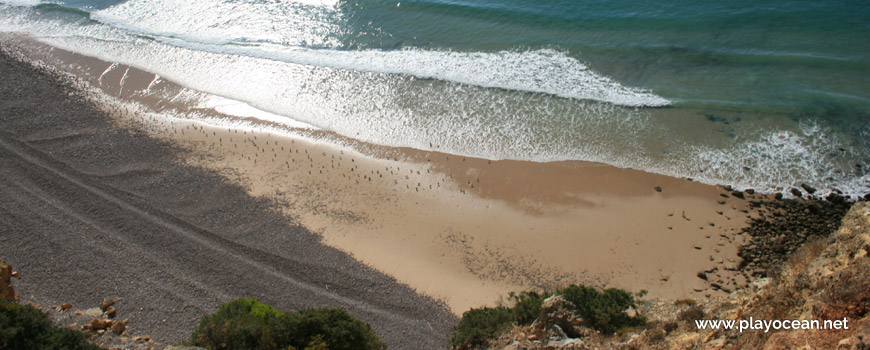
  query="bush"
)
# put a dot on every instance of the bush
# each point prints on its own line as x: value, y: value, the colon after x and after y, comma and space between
x: 250, y: 324
x: 527, y: 306
x: 23, y: 327
x: 478, y: 326
x: 692, y: 314
x: 603, y: 311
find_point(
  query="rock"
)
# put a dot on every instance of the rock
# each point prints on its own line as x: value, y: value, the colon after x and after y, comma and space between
x: 702, y: 275
x: 6, y: 290
x: 66, y: 307
x: 555, y: 334
x: 808, y: 188
x: 110, y: 312
x: 658, y: 188
x: 98, y: 324
x: 94, y: 312
x: 738, y: 194
x: 119, y: 327
x: 105, y: 304
x: 557, y: 311
x: 796, y: 192
x: 142, y: 339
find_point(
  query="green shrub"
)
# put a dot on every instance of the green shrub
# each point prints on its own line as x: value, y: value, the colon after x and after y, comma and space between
x: 604, y: 311
x: 250, y: 324
x: 527, y: 306
x: 335, y: 327
x: 23, y: 327
x: 478, y: 326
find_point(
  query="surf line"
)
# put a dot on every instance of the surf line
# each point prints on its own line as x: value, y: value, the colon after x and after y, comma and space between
x: 156, y: 78
x: 111, y: 66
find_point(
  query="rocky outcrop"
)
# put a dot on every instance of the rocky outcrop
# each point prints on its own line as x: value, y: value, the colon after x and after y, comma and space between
x: 560, y: 327
x: 824, y: 279
x: 783, y: 226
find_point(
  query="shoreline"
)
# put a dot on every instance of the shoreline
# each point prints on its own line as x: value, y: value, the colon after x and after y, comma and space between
x: 480, y: 228
x: 92, y: 209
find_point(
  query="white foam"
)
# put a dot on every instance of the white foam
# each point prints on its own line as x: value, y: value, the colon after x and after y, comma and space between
x: 25, y: 3
x: 466, y: 119
x: 280, y: 22
x: 776, y: 161
x: 216, y: 27
x: 240, y: 109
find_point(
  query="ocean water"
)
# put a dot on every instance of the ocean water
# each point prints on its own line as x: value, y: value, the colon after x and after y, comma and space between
x: 754, y: 94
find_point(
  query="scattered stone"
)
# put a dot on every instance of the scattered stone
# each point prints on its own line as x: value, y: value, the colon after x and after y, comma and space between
x: 796, y: 192
x: 783, y: 227
x: 658, y: 188
x: 66, y: 307
x: 738, y: 194
x: 808, y: 188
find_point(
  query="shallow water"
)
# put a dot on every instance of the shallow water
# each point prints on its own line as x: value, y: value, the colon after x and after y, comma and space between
x: 764, y: 95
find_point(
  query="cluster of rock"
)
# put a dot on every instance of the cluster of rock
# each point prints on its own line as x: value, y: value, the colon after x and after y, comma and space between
x: 106, y: 320
x: 825, y: 280
x: 102, y: 323
x: 783, y: 227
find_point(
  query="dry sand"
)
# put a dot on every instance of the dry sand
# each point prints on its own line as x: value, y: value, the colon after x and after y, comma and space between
x: 463, y: 230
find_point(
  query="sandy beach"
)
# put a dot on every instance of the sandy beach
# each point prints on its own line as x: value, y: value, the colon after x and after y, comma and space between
x: 91, y: 209
x: 456, y: 230
x: 461, y: 230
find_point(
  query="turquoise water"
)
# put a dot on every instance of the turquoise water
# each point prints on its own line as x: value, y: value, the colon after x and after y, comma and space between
x: 753, y: 94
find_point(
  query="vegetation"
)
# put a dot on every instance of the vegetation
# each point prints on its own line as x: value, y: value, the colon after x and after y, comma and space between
x: 250, y: 324
x: 527, y: 306
x: 478, y: 326
x: 692, y: 314
x: 603, y: 311
x: 23, y: 327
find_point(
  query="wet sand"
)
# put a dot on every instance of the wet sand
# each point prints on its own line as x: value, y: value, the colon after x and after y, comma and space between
x: 462, y: 230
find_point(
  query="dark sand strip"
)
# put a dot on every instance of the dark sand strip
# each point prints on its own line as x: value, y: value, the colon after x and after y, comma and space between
x: 90, y: 210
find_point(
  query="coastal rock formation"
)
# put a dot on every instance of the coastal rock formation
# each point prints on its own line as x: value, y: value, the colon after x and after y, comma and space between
x: 824, y: 279
x: 6, y: 290
x: 560, y: 326
x: 783, y: 227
